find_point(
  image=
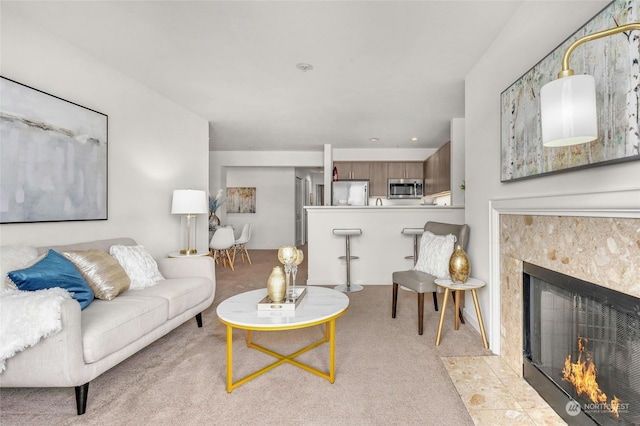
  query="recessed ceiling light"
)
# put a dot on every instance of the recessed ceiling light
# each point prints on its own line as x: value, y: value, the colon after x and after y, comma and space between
x: 304, y: 67
x: 414, y: 139
x: 374, y: 139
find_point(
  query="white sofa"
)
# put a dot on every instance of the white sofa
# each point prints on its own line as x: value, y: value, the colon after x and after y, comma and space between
x: 107, y: 332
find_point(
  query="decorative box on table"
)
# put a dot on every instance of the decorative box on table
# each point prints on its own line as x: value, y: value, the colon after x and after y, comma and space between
x: 267, y: 305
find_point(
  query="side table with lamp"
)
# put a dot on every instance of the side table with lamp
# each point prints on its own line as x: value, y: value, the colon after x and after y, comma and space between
x: 189, y: 203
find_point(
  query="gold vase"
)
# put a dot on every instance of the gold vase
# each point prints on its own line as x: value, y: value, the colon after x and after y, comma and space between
x: 459, y: 266
x: 276, y: 286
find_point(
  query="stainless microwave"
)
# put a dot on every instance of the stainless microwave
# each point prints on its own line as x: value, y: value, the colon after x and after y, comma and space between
x: 405, y: 188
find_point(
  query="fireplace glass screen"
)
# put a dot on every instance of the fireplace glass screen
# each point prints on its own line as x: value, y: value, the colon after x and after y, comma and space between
x: 586, y: 340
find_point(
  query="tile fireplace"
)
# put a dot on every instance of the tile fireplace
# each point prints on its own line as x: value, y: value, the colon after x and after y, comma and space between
x: 593, y: 244
x: 581, y: 347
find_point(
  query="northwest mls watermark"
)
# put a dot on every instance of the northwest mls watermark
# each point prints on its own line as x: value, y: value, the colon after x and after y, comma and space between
x: 573, y: 408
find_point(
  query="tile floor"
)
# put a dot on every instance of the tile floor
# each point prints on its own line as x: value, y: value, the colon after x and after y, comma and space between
x: 495, y: 395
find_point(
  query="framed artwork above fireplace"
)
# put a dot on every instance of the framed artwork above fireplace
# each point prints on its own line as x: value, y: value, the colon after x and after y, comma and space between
x: 615, y: 63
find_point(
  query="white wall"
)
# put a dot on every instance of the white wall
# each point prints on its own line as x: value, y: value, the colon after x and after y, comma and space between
x: 273, y: 223
x: 535, y: 30
x: 155, y: 146
x: 275, y: 190
x: 457, y: 161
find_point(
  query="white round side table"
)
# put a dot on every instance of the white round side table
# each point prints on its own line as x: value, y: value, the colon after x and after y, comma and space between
x: 472, y: 284
x: 178, y: 254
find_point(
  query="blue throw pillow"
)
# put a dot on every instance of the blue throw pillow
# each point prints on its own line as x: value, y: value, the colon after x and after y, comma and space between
x: 54, y: 270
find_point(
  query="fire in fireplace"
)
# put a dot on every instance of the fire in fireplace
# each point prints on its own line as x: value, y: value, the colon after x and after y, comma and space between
x: 582, y: 348
x: 582, y: 375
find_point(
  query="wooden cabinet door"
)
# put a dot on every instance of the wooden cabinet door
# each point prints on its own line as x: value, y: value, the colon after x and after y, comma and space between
x: 344, y: 169
x: 438, y: 171
x: 445, y: 167
x: 413, y: 170
x: 360, y: 170
x: 378, y: 179
x: 429, y: 180
x: 395, y: 170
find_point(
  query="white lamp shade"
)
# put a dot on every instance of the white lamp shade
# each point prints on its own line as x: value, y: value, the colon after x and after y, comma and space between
x: 189, y: 201
x: 568, y: 111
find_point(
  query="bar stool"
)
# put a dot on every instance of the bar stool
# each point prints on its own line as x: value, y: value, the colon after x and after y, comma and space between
x: 417, y: 234
x: 348, y: 233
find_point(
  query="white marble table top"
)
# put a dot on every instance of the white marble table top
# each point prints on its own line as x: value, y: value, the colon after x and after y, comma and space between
x: 472, y: 283
x: 319, y: 304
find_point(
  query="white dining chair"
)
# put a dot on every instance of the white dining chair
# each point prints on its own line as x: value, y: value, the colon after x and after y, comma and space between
x: 222, y: 241
x: 241, y: 242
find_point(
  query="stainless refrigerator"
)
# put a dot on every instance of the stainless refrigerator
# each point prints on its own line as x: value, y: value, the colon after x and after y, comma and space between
x: 350, y: 193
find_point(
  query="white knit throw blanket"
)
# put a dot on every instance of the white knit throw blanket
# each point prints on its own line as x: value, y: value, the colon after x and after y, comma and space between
x: 26, y: 317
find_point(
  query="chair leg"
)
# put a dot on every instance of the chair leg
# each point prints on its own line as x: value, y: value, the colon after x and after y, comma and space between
x: 247, y: 253
x: 435, y: 301
x: 394, y: 300
x: 229, y: 257
x: 420, y: 313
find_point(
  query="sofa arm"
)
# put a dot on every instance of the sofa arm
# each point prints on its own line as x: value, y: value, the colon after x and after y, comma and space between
x: 56, y: 361
x: 180, y: 267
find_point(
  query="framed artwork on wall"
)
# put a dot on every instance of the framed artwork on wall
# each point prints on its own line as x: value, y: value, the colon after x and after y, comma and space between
x: 241, y: 200
x: 53, y: 162
x: 615, y: 64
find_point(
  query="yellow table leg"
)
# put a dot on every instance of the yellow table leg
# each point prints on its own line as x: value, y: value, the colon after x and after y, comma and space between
x: 229, y: 358
x: 479, y: 315
x: 444, y: 308
x: 332, y: 350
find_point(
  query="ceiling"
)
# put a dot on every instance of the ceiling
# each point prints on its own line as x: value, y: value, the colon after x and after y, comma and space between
x: 389, y: 70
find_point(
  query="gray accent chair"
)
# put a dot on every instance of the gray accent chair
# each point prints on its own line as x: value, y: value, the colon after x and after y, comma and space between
x: 421, y: 282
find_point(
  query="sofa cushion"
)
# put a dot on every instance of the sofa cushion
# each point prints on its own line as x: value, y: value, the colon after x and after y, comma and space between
x: 141, y: 268
x: 108, y: 326
x: 103, y: 273
x: 54, y: 270
x: 180, y: 293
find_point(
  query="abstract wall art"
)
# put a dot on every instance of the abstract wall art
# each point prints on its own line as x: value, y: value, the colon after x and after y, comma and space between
x: 53, y: 158
x: 615, y: 64
x: 241, y: 200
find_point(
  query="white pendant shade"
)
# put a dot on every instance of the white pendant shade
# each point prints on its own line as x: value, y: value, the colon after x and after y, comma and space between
x: 568, y: 111
x: 189, y: 201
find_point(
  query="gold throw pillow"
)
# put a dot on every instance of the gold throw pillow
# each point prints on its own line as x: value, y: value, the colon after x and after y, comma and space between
x: 104, y: 274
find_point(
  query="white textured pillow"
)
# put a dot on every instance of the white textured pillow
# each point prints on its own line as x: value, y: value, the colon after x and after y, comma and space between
x: 435, y: 252
x: 13, y: 258
x: 141, y: 268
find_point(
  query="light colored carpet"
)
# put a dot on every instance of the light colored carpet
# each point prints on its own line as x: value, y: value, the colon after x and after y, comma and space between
x: 386, y: 374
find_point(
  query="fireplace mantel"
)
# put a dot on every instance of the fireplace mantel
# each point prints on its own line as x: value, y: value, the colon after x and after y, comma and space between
x: 559, y: 233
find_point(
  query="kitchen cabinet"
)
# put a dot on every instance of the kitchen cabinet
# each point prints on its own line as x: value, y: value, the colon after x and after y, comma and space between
x: 414, y: 170
x: 379, y: 172
x: 437, y: 171
x: 352, y: 169
x: 405, y: 170
x: 378, y: 179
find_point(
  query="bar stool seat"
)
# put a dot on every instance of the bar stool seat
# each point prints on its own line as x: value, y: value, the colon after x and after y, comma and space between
x: 347, y: 233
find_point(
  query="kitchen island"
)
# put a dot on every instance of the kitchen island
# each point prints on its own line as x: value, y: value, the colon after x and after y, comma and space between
x: 381, y: 248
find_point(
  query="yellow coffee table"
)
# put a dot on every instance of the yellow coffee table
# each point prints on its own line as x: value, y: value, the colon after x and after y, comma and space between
x: 319, y: 306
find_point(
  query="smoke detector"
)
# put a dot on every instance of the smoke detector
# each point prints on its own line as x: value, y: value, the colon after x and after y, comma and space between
x: 304, y: 67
